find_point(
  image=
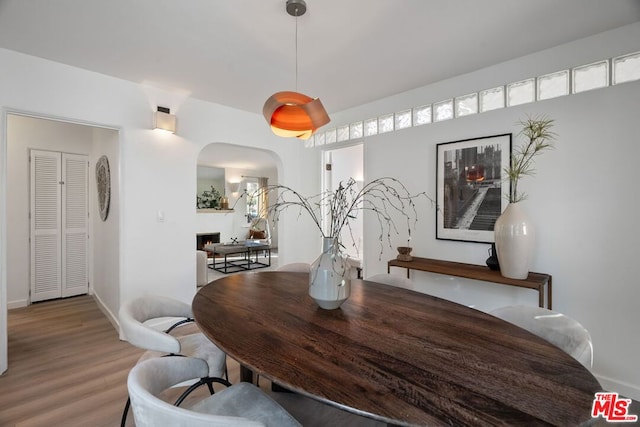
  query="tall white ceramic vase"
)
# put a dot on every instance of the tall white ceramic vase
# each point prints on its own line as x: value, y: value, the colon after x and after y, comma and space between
x: 515, y: 240
x: 329, y: 278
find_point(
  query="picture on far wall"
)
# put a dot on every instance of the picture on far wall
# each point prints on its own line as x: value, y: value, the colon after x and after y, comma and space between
x: 103, y: 181
x: 471, y: 190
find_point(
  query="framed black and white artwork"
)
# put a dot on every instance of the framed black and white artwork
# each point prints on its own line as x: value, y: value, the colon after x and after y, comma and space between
x: 471, y: 187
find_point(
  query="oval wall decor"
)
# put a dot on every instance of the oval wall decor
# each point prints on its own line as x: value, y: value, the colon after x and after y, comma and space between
x: 103, y: 180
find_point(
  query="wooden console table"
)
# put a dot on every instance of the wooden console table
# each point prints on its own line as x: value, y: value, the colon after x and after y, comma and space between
x: 535, y: 281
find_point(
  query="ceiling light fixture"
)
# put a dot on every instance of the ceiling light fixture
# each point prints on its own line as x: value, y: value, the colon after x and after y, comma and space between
x: 293, y: 114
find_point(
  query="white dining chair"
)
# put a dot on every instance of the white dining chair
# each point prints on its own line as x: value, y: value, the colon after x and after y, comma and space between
x: 300, y: 267
x: 561, y: 330
x: 135, y: 317
x: 242, y: 404
x: 392, y: 279
x: 202, y: 268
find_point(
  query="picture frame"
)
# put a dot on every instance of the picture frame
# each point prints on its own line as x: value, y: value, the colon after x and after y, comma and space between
x: 471, y: 187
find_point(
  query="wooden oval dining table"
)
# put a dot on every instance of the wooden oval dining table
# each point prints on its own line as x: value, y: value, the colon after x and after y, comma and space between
x: 394, y: 355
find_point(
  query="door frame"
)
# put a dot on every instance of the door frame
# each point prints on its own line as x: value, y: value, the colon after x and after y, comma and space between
x: 4, y: 112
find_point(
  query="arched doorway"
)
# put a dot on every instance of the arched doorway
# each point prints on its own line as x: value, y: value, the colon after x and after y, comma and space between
x: 227, y: 172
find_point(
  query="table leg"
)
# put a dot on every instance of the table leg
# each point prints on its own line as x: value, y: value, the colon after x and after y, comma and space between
x: 246, y: 374
x: 549, y: 293
x: 541, y: 296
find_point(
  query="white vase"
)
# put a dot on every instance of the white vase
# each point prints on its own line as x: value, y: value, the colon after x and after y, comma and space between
x: 329, y: 279
x: 515, y: 240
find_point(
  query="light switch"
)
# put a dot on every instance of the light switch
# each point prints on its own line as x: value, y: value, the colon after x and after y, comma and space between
x: 160, y: 216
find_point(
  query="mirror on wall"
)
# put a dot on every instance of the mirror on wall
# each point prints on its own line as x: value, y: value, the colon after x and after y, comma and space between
x: 210, y: 188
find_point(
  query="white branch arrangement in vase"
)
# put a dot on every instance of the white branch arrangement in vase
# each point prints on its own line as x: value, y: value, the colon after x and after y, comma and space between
x: 387, y: 198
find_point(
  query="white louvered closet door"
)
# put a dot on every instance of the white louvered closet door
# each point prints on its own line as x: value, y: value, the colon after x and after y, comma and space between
x: 59, y: 233
x: 46, y: 202
x: 74, y: 224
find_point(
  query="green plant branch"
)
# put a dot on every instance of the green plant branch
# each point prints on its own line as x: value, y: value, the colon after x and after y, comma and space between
x: 536, y: 131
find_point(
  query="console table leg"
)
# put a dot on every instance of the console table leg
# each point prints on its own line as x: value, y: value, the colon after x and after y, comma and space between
x: 549, y: 293
x: 541, y: 296
x: 246, y: 375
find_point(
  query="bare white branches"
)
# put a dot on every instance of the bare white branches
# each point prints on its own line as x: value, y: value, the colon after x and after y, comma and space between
x: 386, y: 198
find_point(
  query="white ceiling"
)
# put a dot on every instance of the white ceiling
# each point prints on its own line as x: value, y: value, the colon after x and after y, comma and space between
x: 238, y: 53
x: 351, y: 52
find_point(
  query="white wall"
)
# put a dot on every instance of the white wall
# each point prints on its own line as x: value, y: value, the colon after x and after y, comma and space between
x: 212, y: 222
x: 583, y: 199
x: 105, y: 242
x: 157, y: 170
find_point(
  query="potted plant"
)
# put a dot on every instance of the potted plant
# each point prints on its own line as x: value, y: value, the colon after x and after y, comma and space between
x: 513, y: 231
x: 209, y: 199
x: 386, y: 198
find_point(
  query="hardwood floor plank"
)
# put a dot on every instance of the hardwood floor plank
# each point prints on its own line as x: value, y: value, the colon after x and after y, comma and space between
x: 67, y: 367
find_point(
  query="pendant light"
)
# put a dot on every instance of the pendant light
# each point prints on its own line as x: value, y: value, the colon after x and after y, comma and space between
x: 293, y: 114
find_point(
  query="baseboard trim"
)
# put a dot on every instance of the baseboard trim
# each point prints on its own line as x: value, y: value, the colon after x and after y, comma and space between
x: 623, y: 388
x: 105, y: 310
x: 17, y: 304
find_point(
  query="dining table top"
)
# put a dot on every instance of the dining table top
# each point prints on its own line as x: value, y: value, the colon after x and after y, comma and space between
x: 394, y: 355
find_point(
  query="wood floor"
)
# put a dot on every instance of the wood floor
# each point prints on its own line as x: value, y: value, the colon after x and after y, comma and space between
x: 67, y: 367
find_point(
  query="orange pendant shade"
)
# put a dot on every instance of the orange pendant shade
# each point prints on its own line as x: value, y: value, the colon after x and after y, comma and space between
x: 293, y: 114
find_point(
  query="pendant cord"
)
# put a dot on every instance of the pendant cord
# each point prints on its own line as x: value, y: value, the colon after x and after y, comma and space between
x: 296, y: 49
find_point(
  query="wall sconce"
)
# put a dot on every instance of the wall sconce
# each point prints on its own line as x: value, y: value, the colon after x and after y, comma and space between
x: 234, y: 187
x: 165, y: 120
